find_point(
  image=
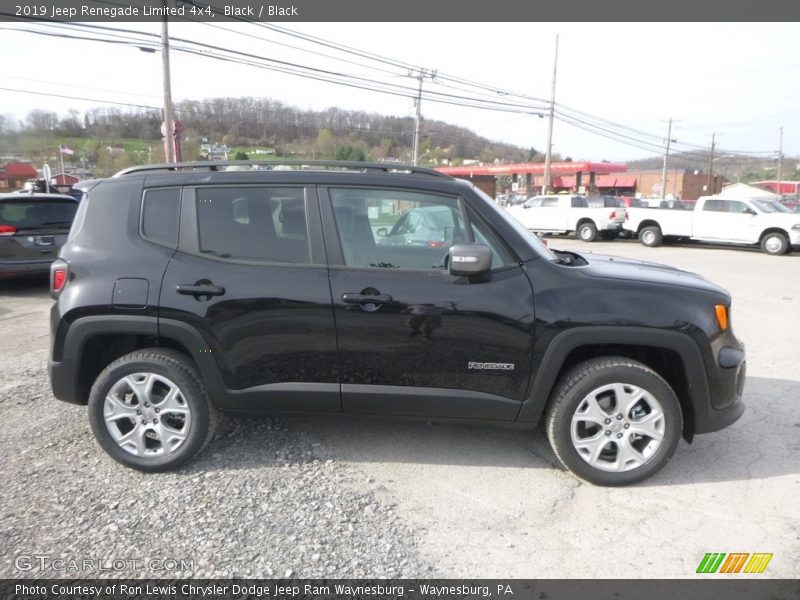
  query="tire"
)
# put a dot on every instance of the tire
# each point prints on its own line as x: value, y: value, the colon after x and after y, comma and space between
x: 587, y: 232
x: 775, y: 243
x: 651, y: 236
x: 589, y: 430
x: 149, y: 410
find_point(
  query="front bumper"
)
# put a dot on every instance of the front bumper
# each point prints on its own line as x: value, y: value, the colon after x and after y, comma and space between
x: 726, y: 380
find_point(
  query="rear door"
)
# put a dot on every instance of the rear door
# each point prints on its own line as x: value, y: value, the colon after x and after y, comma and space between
x: 250, y: 276
x: 413, y: 339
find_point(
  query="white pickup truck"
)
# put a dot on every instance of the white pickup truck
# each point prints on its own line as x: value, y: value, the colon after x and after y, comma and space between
x: 720, y: 220
x: 567, y: 214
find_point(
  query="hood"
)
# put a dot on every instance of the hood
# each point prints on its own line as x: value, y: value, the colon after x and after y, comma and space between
x: 627, y: 269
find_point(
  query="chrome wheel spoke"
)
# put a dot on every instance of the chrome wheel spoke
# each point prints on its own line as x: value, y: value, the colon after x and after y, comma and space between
x: 651, y: 426
x: 627, y: 397
x: 116, y: 409
x: 174, y: 403
x: 627, y: 456
x: 133, y: 441
x: 591, y: 411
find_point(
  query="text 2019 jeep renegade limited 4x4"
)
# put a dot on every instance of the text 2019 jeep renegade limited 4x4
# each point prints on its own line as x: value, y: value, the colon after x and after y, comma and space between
x: 373, y: 289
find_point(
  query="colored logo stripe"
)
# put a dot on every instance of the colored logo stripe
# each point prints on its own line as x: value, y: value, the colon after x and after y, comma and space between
x: 713, y: 562
x: 758, y: 563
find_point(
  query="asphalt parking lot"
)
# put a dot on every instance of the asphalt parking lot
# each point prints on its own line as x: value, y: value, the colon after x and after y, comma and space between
x: 336, y: 497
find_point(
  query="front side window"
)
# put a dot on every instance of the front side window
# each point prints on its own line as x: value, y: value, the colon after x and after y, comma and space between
x: 396, y: 229
x: 253, y: 223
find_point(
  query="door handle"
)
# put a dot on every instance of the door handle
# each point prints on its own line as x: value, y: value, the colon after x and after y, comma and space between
x: 351, y: 298
x: 190, y: 289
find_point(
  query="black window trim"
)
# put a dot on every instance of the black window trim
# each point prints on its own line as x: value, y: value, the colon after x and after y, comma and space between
x: 189, y: 239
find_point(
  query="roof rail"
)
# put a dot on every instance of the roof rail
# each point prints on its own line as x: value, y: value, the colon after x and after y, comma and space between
x: 221, y: 165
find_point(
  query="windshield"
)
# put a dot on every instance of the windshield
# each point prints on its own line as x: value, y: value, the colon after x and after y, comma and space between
x: 532, y: 238
x: 767, y: 206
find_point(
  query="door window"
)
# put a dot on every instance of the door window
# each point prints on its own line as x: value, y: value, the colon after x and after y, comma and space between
x: 253, y: 223
x: 396, y: 229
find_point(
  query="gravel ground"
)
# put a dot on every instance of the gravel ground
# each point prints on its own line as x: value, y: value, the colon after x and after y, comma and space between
x: 257, y: 503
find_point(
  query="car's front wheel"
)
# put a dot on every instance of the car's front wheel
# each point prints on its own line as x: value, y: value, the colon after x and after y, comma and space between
x: 775, y: 243
x: 613, y: 421
x: 150, y: 410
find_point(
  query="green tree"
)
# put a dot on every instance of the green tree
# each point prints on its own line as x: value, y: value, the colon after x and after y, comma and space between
x: 349, y: 153
x: 241, y: 156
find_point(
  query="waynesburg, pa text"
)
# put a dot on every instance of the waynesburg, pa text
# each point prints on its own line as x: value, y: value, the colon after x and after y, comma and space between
x: 262, y: 591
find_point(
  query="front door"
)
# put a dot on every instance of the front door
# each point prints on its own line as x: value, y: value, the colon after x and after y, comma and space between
x: 250, y: 275
x: 413, y: 339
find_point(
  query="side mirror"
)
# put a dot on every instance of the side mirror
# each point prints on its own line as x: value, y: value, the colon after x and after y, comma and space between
x: 382, y: 232
x: 470, y: 259
x: 749, y: 211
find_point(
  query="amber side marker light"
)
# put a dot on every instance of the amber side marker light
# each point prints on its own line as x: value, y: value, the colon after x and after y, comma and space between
x: 722, y: 316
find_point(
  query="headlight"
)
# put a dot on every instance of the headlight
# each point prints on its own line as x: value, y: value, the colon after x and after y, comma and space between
x: 796, y: 226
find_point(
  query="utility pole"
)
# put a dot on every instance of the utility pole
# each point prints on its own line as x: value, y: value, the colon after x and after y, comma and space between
x: 418, y: 119
x: 549, y: 153
x: 169, y: 118
x: 780, y: 161
x: 664, y: 166
x: 711, y: 164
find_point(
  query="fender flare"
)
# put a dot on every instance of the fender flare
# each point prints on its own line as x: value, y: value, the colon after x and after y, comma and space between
x: 565, y: 342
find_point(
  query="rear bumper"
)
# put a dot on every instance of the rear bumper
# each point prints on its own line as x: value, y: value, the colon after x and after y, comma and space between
x: 16, y: 268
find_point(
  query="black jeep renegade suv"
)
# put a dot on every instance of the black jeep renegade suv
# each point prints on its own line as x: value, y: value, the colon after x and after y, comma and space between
x: 373, y: 289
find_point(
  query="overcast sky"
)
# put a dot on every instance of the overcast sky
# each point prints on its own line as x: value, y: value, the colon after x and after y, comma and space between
x: 740, y: 80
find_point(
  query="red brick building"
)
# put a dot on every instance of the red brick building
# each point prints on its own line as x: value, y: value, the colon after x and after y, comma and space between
x: 13, y: 175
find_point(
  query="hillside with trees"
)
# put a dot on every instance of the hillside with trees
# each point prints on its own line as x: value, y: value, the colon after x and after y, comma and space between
x: 107, y: 139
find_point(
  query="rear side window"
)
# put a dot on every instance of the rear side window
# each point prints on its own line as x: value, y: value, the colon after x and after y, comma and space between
x: 160, y: 213
x: 714, y: 206
x: 550, y: 203
x: 253, y: 223
x: 38, y: 214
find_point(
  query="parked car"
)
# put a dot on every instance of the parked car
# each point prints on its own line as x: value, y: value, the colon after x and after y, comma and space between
x: 562, y: 213
x: 184, y: 292
x: 33, y: 227
x: 721, y: 220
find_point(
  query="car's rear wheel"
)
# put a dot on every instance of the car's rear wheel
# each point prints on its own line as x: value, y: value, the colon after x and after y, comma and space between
x: 149, y: 410
x: 587, y: 232
x: 613, y: 421
x: 651, y: 236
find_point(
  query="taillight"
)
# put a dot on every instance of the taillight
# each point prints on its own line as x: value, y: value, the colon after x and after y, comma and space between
x: 59, y: 272
x: 613, y: 215
x: 7, y: 230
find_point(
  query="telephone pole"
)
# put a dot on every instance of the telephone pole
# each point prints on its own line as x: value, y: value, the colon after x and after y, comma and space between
x: 548, y: 157
x: 422, y: 74
x: 169, y: 117
x: 780, y: 161
x: 711, y: 164
x: 664, y: 166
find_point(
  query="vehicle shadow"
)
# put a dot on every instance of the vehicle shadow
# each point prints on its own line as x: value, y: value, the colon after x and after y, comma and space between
x: 765, y: 442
